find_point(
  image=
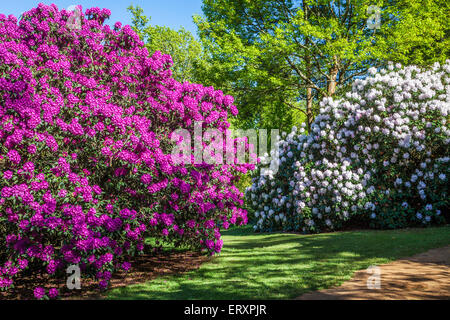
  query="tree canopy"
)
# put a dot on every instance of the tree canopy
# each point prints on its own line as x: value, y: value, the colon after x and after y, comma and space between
x: 279, y: 58
x: 180, y: 44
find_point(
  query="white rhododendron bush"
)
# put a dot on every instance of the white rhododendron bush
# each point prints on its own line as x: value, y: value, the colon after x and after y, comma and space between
x: 377, y: 158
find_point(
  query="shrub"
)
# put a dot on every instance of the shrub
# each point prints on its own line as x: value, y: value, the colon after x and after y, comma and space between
x: 378, y: 157
x: 86, y: 172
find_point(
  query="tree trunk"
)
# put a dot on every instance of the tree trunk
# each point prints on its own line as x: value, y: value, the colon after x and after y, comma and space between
x: 333, y: 77
x: 309, y: 96
x: 309, y: 102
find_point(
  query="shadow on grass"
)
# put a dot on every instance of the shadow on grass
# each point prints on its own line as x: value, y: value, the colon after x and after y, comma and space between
x: 283, y: 266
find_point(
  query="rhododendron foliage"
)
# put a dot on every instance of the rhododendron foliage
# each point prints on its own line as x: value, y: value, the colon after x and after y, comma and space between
x: 378, y: 157
x: 86, y: 173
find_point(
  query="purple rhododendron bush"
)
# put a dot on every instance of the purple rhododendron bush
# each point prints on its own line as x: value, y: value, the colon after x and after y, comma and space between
x: 379, y: 157
x: 86, y: 173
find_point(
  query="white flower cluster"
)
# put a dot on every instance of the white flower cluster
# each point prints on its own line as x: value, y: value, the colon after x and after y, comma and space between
x: 379, y: 157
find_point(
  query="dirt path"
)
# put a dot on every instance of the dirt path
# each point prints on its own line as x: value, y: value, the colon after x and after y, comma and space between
x: 423, y: 276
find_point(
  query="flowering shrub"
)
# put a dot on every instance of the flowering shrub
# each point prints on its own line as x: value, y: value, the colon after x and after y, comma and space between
x: 86, y: 172
x: 379, y: 157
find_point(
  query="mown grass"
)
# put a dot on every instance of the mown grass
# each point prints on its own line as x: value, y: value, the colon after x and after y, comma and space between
x: 284, y: 266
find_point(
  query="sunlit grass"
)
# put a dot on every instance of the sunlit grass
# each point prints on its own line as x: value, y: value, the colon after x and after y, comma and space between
x: 284, y: 266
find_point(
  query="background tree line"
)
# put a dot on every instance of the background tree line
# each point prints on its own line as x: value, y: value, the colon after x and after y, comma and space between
x: 279, y: 58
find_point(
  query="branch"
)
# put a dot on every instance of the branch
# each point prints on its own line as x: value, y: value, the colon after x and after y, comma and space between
x: 353, y: 75
x: 305, y: 78
x: 295, y: 107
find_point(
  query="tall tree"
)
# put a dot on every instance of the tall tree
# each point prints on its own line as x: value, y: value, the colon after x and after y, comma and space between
x: 278, y: 58
x: 180, y: 44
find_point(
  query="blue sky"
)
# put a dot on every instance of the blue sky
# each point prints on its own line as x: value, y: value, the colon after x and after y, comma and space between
x: 171, y: 13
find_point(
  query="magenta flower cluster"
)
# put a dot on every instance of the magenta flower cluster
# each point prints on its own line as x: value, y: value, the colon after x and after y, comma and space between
x: 86, y: 173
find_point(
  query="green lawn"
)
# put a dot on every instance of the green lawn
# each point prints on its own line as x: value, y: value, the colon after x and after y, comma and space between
x: 284, y: 266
